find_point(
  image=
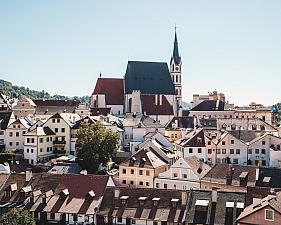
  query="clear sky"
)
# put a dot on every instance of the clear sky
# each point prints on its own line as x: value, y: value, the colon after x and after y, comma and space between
x: 61, y: 46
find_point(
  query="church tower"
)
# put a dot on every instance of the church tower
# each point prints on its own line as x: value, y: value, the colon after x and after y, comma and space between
x: 176, y: 72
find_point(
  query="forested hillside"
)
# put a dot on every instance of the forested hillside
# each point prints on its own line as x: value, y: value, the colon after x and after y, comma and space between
x: 13, y: 91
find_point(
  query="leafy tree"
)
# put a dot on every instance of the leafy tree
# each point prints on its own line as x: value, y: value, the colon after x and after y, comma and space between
x: 96, y: 144
x: 17, y: 217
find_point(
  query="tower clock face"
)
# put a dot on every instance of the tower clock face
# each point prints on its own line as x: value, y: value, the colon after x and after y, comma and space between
x: 177, y: 68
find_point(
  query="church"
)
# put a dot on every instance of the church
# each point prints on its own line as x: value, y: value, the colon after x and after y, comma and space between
x: 149, y: 88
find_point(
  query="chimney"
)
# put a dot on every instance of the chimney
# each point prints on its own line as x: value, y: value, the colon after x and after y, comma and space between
x: 183, y: 197
x: 160, y: 99
x: 156, y: 99
x: 194, y: 122
x: 177, y: 124
x: 214, y: 194
x: 116, y: 193
x: 257, y: 173
x: 28, y: 175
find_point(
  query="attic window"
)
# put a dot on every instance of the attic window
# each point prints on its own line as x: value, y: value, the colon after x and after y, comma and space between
x: 143, y: 159
x: 229, y: 204
x: 64, y: 193
x: 266, y: 179
x: 155, y: 201
x: 199, y: 139
x: 13, y: 187
x: 90, y: 195
x: 26, y: 189
x: 199, y: 170
x: 124, y: 199
x: 174, y: 202
x: 142, y: 200
x: 240, y: 205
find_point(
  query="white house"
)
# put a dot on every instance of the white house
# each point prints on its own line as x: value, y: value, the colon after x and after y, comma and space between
x: 184, y: 174
x: 6, y: 118
x: 38, y: 145
x: 15, y: 134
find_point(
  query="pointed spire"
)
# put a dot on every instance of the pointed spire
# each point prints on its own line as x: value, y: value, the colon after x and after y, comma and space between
x: 176, y: 55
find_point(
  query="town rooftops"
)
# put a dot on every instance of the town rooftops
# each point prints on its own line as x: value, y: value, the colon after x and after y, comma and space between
x: 4, y: 119
x: 144, y: 204
x: 139, y: 120
x: 181, y: 122
x: 198, y: 167
x: 149, y: 78
x: 112, y: 88
x: 269, y: 177
x: 220, y: 172
x: 145, y: 159
x: 194, y: 138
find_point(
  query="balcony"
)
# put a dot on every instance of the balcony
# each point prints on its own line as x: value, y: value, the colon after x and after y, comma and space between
x: 58, y: 143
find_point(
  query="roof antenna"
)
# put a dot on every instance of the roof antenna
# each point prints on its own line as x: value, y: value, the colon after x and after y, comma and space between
x: 100, y: 74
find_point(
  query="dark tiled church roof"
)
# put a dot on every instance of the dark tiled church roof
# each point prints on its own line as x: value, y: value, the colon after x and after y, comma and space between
x: 150, y: 108
x: 149, y: 78
x: 209, y: 105
x: 112, y: 88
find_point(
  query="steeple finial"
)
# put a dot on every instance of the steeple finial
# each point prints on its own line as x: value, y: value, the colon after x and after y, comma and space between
x: 176, y: 55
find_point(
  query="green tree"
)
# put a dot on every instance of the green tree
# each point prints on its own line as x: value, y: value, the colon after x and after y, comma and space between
x: 96, y: 144
x: 17, y: 217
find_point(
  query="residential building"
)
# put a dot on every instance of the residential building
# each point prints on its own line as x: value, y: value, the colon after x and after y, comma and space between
x: 266, y: 211
x: 38, y: 145
x: 141, y: 169
x: 61, y: 124
x: 24, y: 107
x: 142, y: 206
x: 15, y: 134
x: 4, y: 103
x: 184, y: 174
x: 6, y: 118
x: 193, y: 144
x: 136, y: 126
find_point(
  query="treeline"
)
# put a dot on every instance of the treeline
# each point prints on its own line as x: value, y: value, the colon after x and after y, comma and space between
x: 13, y: 91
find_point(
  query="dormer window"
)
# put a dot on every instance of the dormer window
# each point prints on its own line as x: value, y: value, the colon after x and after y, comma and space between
x: 64, y: 193
x: 124, y: 199
x: 142, y: 200
x: 90, y: 195
x: 155, y: 201
x: 201, y: 205
x: 8, y: 194
x: 174, y: 202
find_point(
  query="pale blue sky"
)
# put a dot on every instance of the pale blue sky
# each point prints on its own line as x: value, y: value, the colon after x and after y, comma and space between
x: 61, y: 46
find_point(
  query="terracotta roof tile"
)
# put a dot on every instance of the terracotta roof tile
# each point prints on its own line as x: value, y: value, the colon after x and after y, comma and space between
x: 150, y: 108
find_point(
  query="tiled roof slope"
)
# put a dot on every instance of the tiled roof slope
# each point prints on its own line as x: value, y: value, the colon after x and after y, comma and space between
x: 112, y: 88
x: 149, y: 78
x: 150, y: 108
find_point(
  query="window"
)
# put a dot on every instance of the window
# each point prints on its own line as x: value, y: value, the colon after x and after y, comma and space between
x: 123, y: 181
x: 133, y: 221
x: 155, y: 223
x: 231, y: 151
x: 190, y: 150
x: 124, y: 171
x: 132, y: 171
x: 165, y: 186
x: 209, y: 143
x: 147, y: 173
x: 119, y: 219
x: 32, y: 140
x: 263, y: 162
x: 223, y: 160
x: 56, y: 130
x: 147, y: 184
x: 223, y: 151
x: 41, y: 149
x: 54, y: 120
x: 218, y: 151
x: 263, y: 151
x: 199, y: 150
x: 23, y: 133
x: 35, y: 215
x: 249, y: 151
x: 223, y: 142
x: 257, y: 151
x: 141, y: 172
x: 31, y: 150
x: 184, y: 175
x: 232, y: 142
x: 18, y: 126
x: 10, y: 143
x: 237, y: 151
x: 47, y: 139
x: 263, y: 142
x: 17, y: 143
x: 52, y: 216
x: 75, y: 217
x: 157, y: 185
x: 209, y: 151
x: 58, y: 120
x: 257, y: 162
x: 17, y: 134
x: 62, y: 130
x: 269, y: 215
x: 11, y: 134
x: 218, y: 160
x: 175, y: 175
x: 235, y: 161
x: 141, y: 183
x: 41, y: 140
x: 132, y: 182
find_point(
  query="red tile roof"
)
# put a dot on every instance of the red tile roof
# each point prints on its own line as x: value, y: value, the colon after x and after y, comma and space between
x: 51, y: 102
x: 112, y: 88
x: 150, y: 108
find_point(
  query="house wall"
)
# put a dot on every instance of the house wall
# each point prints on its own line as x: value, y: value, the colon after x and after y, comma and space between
x: 195, y: 152
x: 13, y: 141
x: 116, y: 109
x: 258, y: 218
x: 212, y: 114
x: 264, y: 115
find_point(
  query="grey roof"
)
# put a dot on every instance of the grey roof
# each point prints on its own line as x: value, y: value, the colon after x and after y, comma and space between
x: 176, y: 55
x: 140, y: 120
x: 66, y: 168
x: 216, y: 212
x: 209, y: 105
x: 4, y: 119
x: 149, y: 78
x: 246, y: 135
